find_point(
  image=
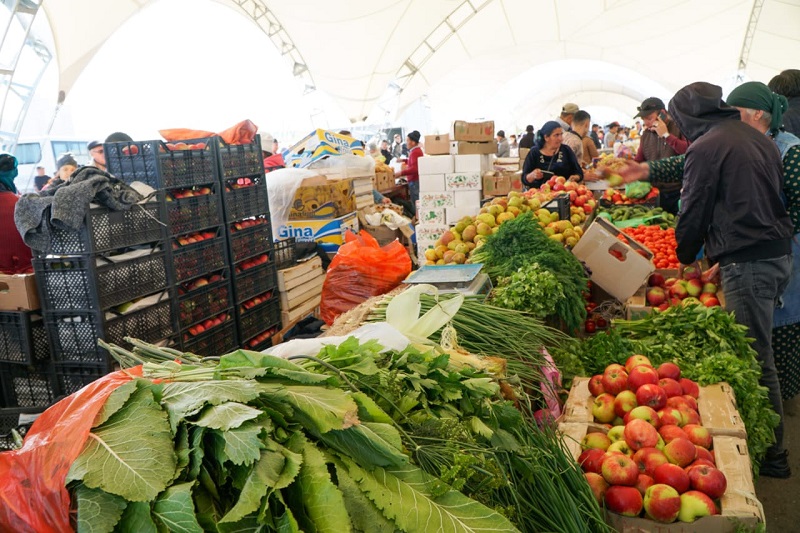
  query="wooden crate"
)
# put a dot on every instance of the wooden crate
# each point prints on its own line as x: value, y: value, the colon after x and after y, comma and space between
x: 300, y: 290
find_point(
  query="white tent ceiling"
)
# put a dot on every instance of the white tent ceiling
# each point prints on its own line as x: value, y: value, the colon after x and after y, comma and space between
x: 492, y: 56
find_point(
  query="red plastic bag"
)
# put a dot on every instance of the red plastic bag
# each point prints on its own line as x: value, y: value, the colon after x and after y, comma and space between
x: 33, y: 496
x: 242, y: 133
x: 360, y: 270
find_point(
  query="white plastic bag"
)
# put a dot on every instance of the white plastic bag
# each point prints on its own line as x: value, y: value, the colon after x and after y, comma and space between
x: 386, y: 335
x: 282, y: 185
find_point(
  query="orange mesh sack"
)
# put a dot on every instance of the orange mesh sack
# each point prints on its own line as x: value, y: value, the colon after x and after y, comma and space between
x: 360, y: 270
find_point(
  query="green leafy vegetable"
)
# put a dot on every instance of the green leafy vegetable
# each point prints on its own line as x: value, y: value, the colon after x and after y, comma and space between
x: 175, y: 511
x: 98, y: 511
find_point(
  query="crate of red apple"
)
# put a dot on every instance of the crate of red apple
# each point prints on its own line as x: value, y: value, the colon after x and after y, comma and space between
x: 665, y: 289
x: 639, y: 436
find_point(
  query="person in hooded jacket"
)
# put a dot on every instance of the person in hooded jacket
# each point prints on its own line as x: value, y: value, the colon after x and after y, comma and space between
x: 15, y: 255
x: 732, y: 205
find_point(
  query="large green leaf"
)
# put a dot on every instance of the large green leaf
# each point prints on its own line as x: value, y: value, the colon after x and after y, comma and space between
x: 369, y: 411
x: 240, y: 446
x: 136, y: 519
x: 175, y: 509
x: 322, y: 501
x: 183, y: 399
x: 363, y: 513
x: 320, y: 408
x: 243, y: 360
x: 115, y: 401
x: 196, y: 452
x: 247, y: 525
x: 404, y: 496
x: 208, y: 513
x: 98, y: 511
x: 226, y: 416
x: 131, y: 455
x: 182, y: 450
x: 368, y: 444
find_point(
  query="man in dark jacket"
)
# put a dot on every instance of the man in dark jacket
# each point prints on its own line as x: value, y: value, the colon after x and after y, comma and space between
x: 731, y: 202
x: 787, y: 83
x: 526, y: 141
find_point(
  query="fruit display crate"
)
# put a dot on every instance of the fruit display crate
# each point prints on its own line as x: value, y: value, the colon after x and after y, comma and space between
x: 18, y: 419
x: 285, y: 253
x: 265, y: 314
x: 264, y: 340
x: 238, y: 160
x: 256, y: 280
x: 184, y: 214
x: 69, y: 378
x: 191, y: 260
x: 244, y: 198
x: 218, y: 340
x: 73, y: 334
x: 23, y: 338
x: 203, y: 298
x: 250, y: 237
x: 99, y: 282
x: 104, y: 230
x: 163, y: 165
x: 27, y: 385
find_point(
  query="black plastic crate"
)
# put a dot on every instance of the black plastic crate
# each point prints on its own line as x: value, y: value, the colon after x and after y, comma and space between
x: 73, y: 334
x: 78, y: 282
x: 560, y: 205
x: 193, y: 213
x: 217, y: 341
x: 154, y: 163
x: 16, y: 418
x: 238, y: 160
x: 285, y: 253
x: 23, y: 338
x: 250, y: 241
x: 192, y: 260
x: 245, y: 197
x: 105, y: 230
x: 254, y: 281
x: 27, y: 386
x: 204, y: 302
x: 263, y: 340
x: 260, y: 318
x: 70, y: 378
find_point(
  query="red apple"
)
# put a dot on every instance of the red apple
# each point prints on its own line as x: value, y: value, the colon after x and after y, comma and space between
x: 636, y: 360
x: 651, y: 396
x: 672, y: 475
x: 591, y: 460
x: 691, y: 272
x: 698, y: 435
x: 669, y: 416
x: 613, y: 366
x: 680, y: 452
x: 678, y: 290
x: 669, y: 370
x: 671, y: 387
x: 703, y: 453
x: 656, y: 279
x: 640, y: 434
x: 624, y: 402
x: 691, y: 401
x: 690, y: 387
x: 695, y: 504
x: 648, y: 459
x: 699, y: 462
x: 662, y: 503
x: 596, y: 385
x: 598, y: 486
x: 669, y: 282
x: 711, y: 302
x: 642, y: 375
x: 599, y: 441
x: 694, y: 287
x: 623, y: 500
x: 671, y: 432
x: 603, y: 408
x: 678, y: 402
x: 655, y: 296
x: 646, y: 413
x: 690, y: 416
x: 614, y: 381
x: 643, y: 482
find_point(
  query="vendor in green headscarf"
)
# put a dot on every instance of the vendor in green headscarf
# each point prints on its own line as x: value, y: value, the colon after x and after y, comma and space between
x: 15, y: 256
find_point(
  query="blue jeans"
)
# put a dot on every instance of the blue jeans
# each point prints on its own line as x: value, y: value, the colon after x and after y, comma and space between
x: 413, y: 193
x: 752, y: 290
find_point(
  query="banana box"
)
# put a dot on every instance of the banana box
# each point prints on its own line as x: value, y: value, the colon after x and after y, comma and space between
x: 318, y: 145
x: 319, y: 197
x: 327, y: 232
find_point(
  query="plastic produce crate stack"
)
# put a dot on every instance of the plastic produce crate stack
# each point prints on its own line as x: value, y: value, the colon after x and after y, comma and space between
x: 186, y: 175
x: 27, y: 379
x: 250, y: 248
x: 107, y: 280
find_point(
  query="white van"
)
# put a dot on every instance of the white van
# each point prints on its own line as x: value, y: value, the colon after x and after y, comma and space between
x: 44, y: 151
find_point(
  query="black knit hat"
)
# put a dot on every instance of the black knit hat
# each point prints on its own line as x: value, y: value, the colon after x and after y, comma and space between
x: 66, y: 159
x: 414, y: 136
x: 118, y: 137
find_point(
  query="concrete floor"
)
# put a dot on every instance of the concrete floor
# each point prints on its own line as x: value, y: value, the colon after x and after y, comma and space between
x: 781, y: 497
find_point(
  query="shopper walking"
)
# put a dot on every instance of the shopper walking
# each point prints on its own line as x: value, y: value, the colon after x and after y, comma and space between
x: 550, y: 157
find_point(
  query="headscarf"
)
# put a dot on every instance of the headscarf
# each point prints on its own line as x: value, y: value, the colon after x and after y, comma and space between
x: 756, y: 95
x: 8, y: 171
x: 546, y: 130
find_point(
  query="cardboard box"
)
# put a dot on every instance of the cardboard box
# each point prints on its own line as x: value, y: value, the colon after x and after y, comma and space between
x: 430, y: 232
x: 18, y: 292
x: 318, y: 145
x: 432, y: 215
x: 328, y: 232
x: 433, y: 199
x: 437, y: 144
x: 431, y: 182
x: 474, y: 131
x: 384, y: 180
x: 468, y: 199
x: 472, y: 148
x: 321, y: 198
x: 463, y: 181
x: 501, y: 184
x: 472, y: 163
x: 435, y: 164
x: 621, y: 277
x: 454, y: 214
x: 382, y: 233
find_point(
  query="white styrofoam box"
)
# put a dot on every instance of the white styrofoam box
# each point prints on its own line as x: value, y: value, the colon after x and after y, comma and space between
x: 430, y: 232
x: 421, y: 247
x: 472, y: 163
x: 454, y: 214
x: 431, y: 182
x: 432, y: 215
x: 463, y: 181
x: 467, y: 199
x: 434, y: 199
x: 435, y: 164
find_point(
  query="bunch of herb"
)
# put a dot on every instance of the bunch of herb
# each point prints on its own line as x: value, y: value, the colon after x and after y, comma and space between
x: 531, y: 289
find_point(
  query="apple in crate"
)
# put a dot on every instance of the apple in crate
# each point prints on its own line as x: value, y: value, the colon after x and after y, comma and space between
x: 624, y: 500
x: 642, y: 375
x: 603, y: 408
x: 596, y: 385
x: 680, y: 452
x: 651, y: 396
x: 643, y: 482
x: 708, y: 480
x: 591, y: 460
x: 672, y: 475
x: 703, y: 453
x: 671, y: 387
x: 620, y: 447
x: 615, y: 380
x: 619, y: 470
x: 598, y: 485
x: 648, y: 459
x: 694, y: 505
x: 640, y: 434
x: 669, y: 370
x: 616, y: 434
x: 698, y: 435
x: 671, y: 432
x: 690, y: 387
x: 669, y: 416
x: 662, y: 503
x: 624, y: 402
x: 646, y: 413
x: 636, y: 360
x: 596, y: 440
x: 655, y: 296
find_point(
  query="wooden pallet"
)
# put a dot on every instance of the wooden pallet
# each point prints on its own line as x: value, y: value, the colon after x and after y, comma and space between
x: 289, y: 278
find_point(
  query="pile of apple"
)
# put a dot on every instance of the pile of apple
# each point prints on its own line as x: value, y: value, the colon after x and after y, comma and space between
x: 206, y: 325
x: 189, y: 286
x: 693, y: 289
x: 240, y: 183
x: 261, y: 337
x: 184, y: 146
x: 254, y: 302
x: 252, y: 263
x: 192, y: 238
x: 618, y: 197
x: 248, y: 223
x: 656, y: 457
x: 178, y: 194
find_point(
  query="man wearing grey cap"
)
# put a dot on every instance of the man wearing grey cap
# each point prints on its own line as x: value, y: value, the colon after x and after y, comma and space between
x: 567, y: 114
x: 98, y: 155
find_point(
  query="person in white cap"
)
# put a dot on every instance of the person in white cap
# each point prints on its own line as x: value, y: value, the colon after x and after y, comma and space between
x: 567, y: 114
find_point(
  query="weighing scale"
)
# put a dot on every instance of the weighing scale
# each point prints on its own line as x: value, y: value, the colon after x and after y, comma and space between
x: 465, y: 279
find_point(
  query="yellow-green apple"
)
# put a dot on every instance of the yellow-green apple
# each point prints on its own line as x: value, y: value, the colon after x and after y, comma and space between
x: 595, y: 440
x: 672, y: 475
x: 598, y: 485
x: 694, y: 505
x: 614, y: 381
x: 661, y: 443
x: 671, y: 432
x: 618, y: 421
x: 636, y: 360
x: 624, y: 500
x: 669, y: 416
x: 698, y: 435
x: 619, y: 470
x: 646, y: 413
x: 694, y: 287
x: 652, y: 396
x: 690, y: 387
x: 708, y: 480
x: 596, y: 385
x: 680, y: 452
x: 613, y: 366
x: 616, y: 433
x: 648, y: 459
x: 669, y: 370
x: 603, y: 408
x: 690, y: 416
x: 624, y: 402
x: 671, y: 387
x: 591, y: 460
x: 640, y: 434
x: 643, y: 482
x: 642, y: 375
x: 622, y: 447
x: 662, y: 503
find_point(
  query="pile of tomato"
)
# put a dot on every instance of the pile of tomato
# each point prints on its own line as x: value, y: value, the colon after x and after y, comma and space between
x: 659, y: 241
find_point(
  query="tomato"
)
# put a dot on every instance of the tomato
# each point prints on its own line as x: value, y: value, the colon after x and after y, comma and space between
x: 590, y: 326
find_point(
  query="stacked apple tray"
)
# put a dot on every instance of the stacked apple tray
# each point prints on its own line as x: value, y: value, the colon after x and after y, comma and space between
x: 716, y: 405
